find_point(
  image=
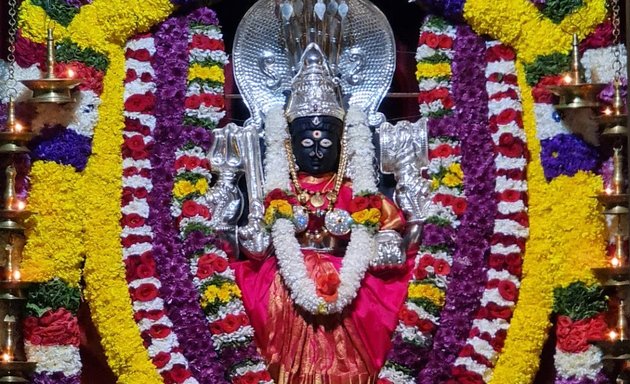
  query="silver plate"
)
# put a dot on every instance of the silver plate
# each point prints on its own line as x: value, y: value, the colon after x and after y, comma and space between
x: 263, y: 72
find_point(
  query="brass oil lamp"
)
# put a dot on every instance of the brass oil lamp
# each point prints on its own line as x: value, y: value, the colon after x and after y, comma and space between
x: 575, y: 92
x: 51, y: 89
x: 614, y: 119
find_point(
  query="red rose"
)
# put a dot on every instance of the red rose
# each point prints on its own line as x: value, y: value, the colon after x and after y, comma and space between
x: 231, y: 323
x: 59, y: 327
x: 442, y: 267
x: 140, y: 103
x: 178, y: 374
x: 135, y: 142
x: 431, y: 40
x: 459, y: 206
x: 130, y: 75
x: 138, y: 54
x: 211, y: 100
x: 204, y: 42
x: 420, y: 273
x: 192, y: 102
x: 510, y: 195
x: 146, y: 77
x: 500, y: 52
x: 192, y: 163
x: 376, y: 201
x: 507, y: 116
x: 127, y: 196
x: 508, y: 290
x: 499, y: 312
x: 141, y: 193
x: 359, y: 203
x: 161, y: 359
x: 144, y: 271
x: 204, y: 270
x: 145, y: 292
x: 572, y: 336
x: 442, y: 150
x: 159, y: 331
x: 132, y: 220
x: 425, y: 325
x: 408, y: 317
x: 220, y: 264
x: 190, y: 208
x: 597, y: 328
x: 426, y: 260
x: 215, y: 328
x: 496, y: 261
x: 445, y: 42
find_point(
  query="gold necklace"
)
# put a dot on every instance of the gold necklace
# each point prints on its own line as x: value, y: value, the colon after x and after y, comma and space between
x: 317, y: 200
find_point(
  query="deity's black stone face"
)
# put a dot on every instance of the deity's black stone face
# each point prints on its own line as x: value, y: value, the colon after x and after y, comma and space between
x: 316, y: 143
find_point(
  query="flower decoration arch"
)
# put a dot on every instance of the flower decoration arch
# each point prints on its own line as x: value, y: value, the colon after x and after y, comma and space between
x: 77, y: 232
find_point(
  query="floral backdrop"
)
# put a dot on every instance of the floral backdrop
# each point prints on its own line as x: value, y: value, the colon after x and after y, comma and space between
x: 127, y: 228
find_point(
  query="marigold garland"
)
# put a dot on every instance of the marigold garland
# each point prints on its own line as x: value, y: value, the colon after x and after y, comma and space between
x: 97, y: 189
x: 518, y: 23
x: 552, y: 252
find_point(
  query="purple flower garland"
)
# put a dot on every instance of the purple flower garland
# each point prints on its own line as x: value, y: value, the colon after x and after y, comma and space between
x: 180, y: 295
x: 63, y: 146
x: 567, y: 154
x: 468, y: 270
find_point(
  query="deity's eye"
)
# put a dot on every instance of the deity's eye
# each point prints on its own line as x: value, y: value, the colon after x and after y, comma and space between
x: 326, y: 143
x: 307, y: 143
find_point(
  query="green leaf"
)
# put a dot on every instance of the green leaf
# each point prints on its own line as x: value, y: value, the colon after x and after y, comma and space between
x: 52, y: 295
x: 579, y: 301
x: 548, y: 65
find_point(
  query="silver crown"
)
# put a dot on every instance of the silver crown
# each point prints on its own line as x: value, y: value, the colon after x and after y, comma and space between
x: 313, y: 90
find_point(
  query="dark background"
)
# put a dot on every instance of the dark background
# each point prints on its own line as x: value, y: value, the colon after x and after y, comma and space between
x: 405, y: 19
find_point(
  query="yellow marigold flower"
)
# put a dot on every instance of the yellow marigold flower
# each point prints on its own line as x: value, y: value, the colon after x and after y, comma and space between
x: 456, y: 169
x: 183, y: 188
x: 424, y: 70
x: 213, y: 73
x: 435, y: 183
x: 374, y: 216
x: 451, y: 180
x: 202, y: 186
x: 283, y: 207
x: 427, y: 291
x: 361, y: 217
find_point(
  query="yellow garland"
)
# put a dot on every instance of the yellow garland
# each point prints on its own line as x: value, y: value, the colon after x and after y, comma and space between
x: 213, y: 73
x: 424, y: 70
x: 94, y: 203
x: 566, y: 230
x: 184, y: 188
x: 223, y: 293
x: 520, y: 24
x: 427, y: 291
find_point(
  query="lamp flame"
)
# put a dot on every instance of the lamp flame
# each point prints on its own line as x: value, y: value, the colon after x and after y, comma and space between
x: 17, y: 275
x: 615, y: 262
x: 6, y: 357
x: 613, y: 335
x: 568, y: 79
x: 71, y: 73
x: 20, y: 205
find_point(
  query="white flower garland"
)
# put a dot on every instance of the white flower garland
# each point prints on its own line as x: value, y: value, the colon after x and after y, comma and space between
x: 362, y: 247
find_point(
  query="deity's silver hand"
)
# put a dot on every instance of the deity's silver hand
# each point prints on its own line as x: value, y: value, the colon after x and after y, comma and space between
x: 254, y: 238
x: 224, y: 197
x: 390, y: 250
x: 404, y: 152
